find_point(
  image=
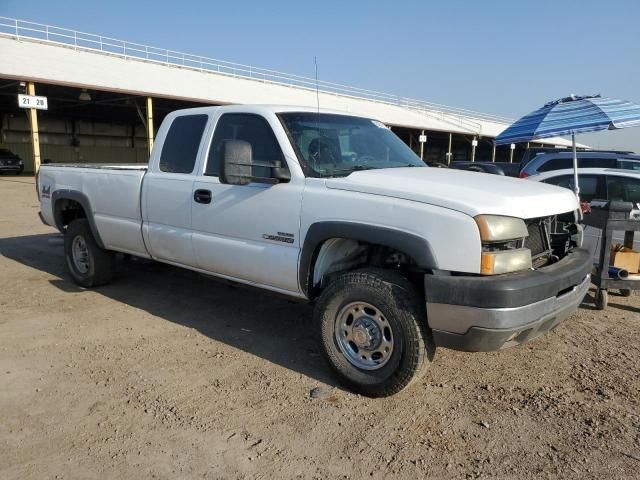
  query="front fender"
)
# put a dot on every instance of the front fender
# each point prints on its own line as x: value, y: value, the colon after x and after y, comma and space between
x: 415, y: 246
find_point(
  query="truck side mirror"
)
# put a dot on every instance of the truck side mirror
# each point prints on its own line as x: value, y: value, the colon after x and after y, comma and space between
x: 237, y: 165
x: 237, y: 160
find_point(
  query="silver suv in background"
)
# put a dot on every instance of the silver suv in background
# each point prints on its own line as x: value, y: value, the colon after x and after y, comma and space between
x: 597, y: 186
x: 554, y: 160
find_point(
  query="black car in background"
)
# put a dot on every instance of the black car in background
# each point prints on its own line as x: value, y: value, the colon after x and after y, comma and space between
x: 495, y: 168
x: 10, y: 162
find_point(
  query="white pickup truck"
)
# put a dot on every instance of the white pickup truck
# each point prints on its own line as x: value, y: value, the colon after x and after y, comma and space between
x: 334, y: 209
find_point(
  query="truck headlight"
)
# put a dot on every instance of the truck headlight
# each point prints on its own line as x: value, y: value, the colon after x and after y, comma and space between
x: 502, y: 244
x: 495, y: 228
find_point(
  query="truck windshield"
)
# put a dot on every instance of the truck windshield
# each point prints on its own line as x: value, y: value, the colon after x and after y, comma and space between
x: 331, y: 145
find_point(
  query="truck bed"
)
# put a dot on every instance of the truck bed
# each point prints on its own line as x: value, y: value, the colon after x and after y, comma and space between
x: 100, y: 166
x: 110, y: 191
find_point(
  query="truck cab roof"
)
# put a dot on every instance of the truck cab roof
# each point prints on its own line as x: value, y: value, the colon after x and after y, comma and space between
x: 261, y: 109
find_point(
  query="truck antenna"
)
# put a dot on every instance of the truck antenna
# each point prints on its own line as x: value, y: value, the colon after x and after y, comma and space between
x: 317, y: 157
x: 315, y: 61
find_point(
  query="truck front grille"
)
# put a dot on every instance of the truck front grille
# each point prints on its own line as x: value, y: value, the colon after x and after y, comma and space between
x: 538, y: 241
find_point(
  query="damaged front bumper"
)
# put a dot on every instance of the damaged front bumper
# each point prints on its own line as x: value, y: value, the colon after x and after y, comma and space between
x: 485, y: 313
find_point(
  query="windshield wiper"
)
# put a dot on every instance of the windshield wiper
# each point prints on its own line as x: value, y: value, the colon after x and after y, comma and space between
x: 353, y: 168
x: 359, y: 168
x: 362, y: 167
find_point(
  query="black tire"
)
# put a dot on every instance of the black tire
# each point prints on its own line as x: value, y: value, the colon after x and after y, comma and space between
x: 602, y: 299
x: 100, y: 263
x: 625, y: 292
x: 402, y: 307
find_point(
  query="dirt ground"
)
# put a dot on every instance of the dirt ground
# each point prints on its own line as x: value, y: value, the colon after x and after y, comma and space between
x: 167, y: 374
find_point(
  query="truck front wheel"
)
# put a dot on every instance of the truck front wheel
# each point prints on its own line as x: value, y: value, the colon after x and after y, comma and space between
x: 87, y: 263
x: 372, y: 327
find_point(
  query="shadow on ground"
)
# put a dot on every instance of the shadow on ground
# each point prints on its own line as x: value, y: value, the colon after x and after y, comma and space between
x: 269, y: 327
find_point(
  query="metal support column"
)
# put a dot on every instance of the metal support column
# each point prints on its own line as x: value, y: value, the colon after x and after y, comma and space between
x: 422, y: 147
x: 449, y: 150
x: 35, y: 136
x: 473, y: 149
x: 150, y: 124
x: 493, y: 153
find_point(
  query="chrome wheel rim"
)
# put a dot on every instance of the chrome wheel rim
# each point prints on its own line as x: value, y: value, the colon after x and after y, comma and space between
x: 80, y: 254
x: 364, y: 336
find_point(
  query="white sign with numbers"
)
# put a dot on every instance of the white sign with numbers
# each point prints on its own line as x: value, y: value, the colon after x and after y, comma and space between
x: 31, y: 101
x: 422, y: 139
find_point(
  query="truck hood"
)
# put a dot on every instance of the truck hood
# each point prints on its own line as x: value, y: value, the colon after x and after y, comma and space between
x: 471, y: 193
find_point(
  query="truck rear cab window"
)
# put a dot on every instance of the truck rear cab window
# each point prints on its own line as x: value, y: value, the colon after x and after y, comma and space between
x: 181, y: 144
x: 251, y: 128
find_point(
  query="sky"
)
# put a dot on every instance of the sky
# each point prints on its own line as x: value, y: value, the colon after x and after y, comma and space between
x: 500, y: 57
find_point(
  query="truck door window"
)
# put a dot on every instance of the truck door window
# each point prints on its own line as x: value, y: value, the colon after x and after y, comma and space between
x: 251, y: 128
x: 591, y: 186
x: 626, y: 189
x: 180, y: 148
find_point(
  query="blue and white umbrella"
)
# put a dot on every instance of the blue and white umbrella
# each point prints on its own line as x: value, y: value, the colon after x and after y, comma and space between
x: 570, y: 116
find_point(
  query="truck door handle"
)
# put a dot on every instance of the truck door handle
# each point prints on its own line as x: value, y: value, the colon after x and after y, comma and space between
x: 202, y: 196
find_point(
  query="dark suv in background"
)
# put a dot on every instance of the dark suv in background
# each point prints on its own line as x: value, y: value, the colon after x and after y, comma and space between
x: 10, y: 162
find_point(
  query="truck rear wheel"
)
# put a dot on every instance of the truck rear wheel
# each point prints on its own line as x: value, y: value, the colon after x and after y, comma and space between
x: 87, y: 263
x: 372, y: 327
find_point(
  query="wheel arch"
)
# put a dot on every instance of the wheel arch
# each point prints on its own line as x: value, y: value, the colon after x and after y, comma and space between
x: 69, y: 205
x: 416, y: 247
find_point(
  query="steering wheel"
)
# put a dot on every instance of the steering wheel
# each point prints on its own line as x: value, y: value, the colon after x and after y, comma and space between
x: 319, y: 150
